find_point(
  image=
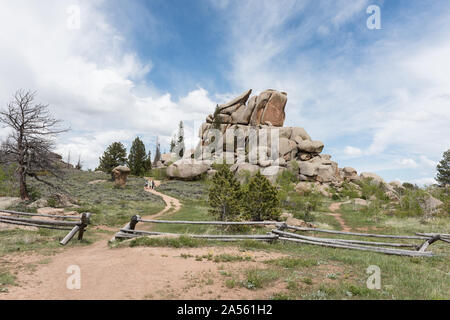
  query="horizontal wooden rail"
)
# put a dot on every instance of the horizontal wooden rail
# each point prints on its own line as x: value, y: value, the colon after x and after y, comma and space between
x: 26, y: 224
x: 208, y: 236
x: 40, y: 222
x: 129, y: 232
x: 223, y: 223
x: 356, y: 233
x: 39, y: 215
x: 75, y: 227
x: 374, y: 249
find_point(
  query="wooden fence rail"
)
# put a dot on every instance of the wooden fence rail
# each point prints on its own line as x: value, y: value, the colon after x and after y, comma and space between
x: 129, y: 232
x: 77, y: 226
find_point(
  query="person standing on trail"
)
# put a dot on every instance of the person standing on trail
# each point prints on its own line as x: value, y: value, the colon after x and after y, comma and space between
x: 153, y: 184
x: 146, y: 184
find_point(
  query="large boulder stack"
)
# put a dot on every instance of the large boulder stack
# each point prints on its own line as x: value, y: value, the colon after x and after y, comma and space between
x: 248, y: 134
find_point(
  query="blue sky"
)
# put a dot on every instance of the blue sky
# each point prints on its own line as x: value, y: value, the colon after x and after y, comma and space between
x: 378, y: 99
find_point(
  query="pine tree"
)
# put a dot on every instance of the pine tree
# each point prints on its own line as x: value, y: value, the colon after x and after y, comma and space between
x: 136, y: 158
x: 180, y: 140
x: 225, y: 196
x: 173, y: 143
x: 261, y: 201
x: 157, y: 152
x: 79, y: 165
x: 443, y: 169
x: 115, y: 155
x: 148, y: 162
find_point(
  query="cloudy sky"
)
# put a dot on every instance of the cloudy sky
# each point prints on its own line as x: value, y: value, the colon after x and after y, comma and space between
x: 112, y: 70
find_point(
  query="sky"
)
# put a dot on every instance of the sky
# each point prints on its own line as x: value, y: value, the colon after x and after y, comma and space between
x: 378, y: 98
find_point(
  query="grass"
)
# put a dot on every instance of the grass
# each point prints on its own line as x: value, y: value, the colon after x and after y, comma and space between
x: 6, y: 279
x: 304, y: 272
x: 179, y: 242
x: 43, y: 240
x: 110, y: 206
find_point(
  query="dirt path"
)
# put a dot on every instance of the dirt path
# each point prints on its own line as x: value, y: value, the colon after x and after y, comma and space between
x: 134, y: 273
x: 171, y: 203
x: 335, y: 207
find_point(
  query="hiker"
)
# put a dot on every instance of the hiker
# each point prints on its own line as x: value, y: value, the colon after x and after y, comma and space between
x: 146, y: 184
x: 153, y: 184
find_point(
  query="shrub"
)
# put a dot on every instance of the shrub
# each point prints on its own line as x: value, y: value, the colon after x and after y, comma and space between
x: 349, y: 190
x: 261, y: 201
x: 225, y: 195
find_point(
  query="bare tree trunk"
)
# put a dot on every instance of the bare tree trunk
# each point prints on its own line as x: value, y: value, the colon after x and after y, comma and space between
x: 23, y: 184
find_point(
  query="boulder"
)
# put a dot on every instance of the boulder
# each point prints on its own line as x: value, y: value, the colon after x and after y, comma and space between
x: 309, y: 146
x: 272, y: 172
x: 286, y: 146
x: 325, y: 173
x: 243, y: 170
x: 187, y: 169
x: 120, y: 175
x: 308, y: 168
x: 274, y: 110
x: 349, y: 174
x: 299, y: 132
x: 243, y: 114
x: 374, y: 177
x: 240, y: 100
x: 430, y: 204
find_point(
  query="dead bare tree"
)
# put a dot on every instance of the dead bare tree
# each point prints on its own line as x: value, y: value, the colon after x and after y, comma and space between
x: 31, y: 141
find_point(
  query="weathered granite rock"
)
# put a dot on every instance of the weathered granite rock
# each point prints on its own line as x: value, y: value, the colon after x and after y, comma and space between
x: 187, y: 169
x: 120, y: 175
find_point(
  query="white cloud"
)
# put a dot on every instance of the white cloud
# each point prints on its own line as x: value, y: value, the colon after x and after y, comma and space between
x: 89, y: 77
x: 392, y: 92
x: 408, y: 163
x: 352, y: 151
x: 424, y: 181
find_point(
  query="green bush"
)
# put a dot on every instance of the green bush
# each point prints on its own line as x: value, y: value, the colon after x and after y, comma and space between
x: 260, y: 200
x: 371, y: 188
x: 349, y: 190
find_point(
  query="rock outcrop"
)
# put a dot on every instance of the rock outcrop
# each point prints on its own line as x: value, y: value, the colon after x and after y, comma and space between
x: 120, y: 175
x: 248, y: 134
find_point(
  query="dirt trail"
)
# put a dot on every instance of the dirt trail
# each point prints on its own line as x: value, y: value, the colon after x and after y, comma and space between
x: 335, y: 207
x: 133, y: 273
x: 171, y: 203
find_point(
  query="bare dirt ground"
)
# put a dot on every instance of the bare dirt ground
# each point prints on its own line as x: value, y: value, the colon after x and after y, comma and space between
x: 136, y: 273
x: 133, y: 273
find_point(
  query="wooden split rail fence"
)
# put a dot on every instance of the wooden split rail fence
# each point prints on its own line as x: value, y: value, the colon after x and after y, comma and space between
x: 73, y: 224
x: 280, y: 233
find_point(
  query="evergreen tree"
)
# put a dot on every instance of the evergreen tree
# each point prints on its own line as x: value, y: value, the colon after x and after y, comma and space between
x: 115, y: 155
x: 225, y: 195
x: 261, y: 201
x: 179, y: 149
x: 173, y: 143
x: 137, y: 157
x: 79, y: 164
x: 443, y: 169
x: 157, y: 152
x: 148, y: 162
